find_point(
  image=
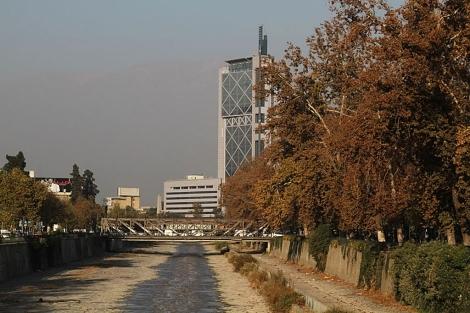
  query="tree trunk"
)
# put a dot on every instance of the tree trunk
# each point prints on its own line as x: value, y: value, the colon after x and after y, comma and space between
x: 380, y: 236
x: 450, y: 232
x: 400, y: 236
x: 465, y: 237
x: 305, y: 230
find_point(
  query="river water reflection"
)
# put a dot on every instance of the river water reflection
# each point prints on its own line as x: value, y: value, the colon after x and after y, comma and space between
x: 185, y: 283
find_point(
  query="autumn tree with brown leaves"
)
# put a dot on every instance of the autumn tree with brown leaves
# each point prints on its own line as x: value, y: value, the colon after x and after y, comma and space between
x: 237, y: 192
x: 86, y: 214
x: 370, y: 130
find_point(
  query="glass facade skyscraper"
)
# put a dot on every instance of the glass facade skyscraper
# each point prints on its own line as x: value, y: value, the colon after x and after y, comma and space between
x: 240, y: 113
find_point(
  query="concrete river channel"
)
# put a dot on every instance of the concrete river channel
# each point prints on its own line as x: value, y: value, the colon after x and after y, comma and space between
x: 147, y: 277
x: 185, y: 283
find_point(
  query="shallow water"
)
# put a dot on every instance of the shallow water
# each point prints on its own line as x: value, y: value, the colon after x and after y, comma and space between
x: 185, y: 283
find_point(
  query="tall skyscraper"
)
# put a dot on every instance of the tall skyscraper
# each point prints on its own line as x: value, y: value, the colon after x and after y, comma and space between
x: 240, y: 112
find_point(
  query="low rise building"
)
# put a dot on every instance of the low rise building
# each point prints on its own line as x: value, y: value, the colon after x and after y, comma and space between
x: 61, y: 187
x: 181, y: 197
x: 127, y: 197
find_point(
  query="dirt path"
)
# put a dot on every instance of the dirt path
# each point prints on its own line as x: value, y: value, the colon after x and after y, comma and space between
x: 330, y: 292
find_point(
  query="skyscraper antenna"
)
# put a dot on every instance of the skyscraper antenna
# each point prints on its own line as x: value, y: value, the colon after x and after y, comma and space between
x: 262, y: 42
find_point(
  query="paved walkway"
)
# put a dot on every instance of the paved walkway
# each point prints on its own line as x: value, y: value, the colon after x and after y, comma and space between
x: 322, y: 294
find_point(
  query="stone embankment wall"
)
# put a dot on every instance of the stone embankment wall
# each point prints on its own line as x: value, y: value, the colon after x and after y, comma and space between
x: 342, y: 261
x: 14, y: 260
x: 21, y: 258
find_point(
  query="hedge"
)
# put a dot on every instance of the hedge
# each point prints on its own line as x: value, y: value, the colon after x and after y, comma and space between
x: 433, y: 277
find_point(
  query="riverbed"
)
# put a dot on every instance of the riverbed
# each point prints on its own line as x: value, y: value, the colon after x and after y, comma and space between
x: 184, y: 277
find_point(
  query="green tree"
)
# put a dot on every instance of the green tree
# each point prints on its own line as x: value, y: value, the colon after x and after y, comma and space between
x: 130, y: 212
x: 17, y: 161
x: 53, y: 211
x: 197, y: 209
x: 20, y: 197
x: 218, y: 212
x: 77, y: 183
x: 89, y: 189
x: 151, y: 213
x: 116, y: 211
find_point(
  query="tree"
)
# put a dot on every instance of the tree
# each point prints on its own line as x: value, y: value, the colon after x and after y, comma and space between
x: 461, y: 192
x: 89, y: 189
x: 116, y: 211
x: 370, y: 129
x: 218, y: 213
x: 86, y: 214
x: 131, y: 212
x: 54, y: 211
x: 17, y: 161
x: 77, y: 183
x: 294, y: 198
x: 237, y: 192
x: 414, y: 96
x: 20, y: 197
x: 197, y: 209
x: 151, y: 213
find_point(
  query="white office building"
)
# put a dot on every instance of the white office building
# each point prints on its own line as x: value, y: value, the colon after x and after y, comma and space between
x: 241, y: 114
x: 180, y: 196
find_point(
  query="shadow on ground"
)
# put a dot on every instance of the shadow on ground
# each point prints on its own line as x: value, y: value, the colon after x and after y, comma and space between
x: 38, y: 291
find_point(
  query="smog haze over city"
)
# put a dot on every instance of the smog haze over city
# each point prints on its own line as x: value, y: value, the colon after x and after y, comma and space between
x: 128, y: 88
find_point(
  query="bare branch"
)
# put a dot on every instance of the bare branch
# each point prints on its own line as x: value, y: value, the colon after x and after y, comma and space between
x: 456, y: 101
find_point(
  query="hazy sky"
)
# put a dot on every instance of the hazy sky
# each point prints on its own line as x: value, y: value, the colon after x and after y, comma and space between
x: 128, y: 88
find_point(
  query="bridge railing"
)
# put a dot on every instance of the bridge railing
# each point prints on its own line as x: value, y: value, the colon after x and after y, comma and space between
x: 180, y: 226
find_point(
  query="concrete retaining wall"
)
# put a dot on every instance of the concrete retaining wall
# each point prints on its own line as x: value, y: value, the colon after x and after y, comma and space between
x: 114, y: 245
x: 387, y: 281
x: 343, y: 262
x: 280, y: 248
x: 17, y: 259
x: 14, y: 260
x: 305, y: 258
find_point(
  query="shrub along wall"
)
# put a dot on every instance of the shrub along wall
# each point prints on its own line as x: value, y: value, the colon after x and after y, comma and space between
x: 433, y: 277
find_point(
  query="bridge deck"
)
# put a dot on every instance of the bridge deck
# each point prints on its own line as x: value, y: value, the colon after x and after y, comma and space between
x: 193, y: 238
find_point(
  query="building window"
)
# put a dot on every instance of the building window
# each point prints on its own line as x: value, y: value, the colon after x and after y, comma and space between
x: 176, y: 187
x: 201, y: 187
x: 192, y: 187
x: 185, y: 187
x: 209, y: 186
x: 259, y: 118
x: 190, y: 192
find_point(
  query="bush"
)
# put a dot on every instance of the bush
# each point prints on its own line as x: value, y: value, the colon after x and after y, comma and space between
x: 219, y: 245
x: 257, y: 278
x: 248, y: 267
x: 239, y: 260
x: 274, y: 288
x: 319, y: 242
x: 280, y: 296
x: 433, y: 277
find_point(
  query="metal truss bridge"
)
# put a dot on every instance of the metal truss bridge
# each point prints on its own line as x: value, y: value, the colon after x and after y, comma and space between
x: 183, y: 228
